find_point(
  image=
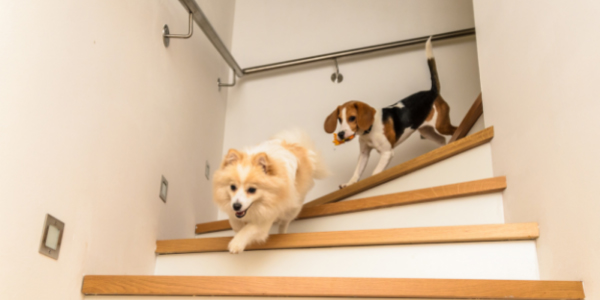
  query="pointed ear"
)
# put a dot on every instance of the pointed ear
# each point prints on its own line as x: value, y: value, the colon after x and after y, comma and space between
x: 232, y: 156
x: 331, y: 121
x: 262, y: 160
x: 365, y: 115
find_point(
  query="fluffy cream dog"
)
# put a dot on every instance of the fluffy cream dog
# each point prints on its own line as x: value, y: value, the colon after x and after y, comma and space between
x: 266, y: 184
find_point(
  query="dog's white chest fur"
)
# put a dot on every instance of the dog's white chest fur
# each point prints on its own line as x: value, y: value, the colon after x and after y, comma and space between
x: 376, y: 137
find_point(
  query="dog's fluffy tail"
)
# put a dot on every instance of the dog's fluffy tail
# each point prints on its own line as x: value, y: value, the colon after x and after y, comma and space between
x: 299, y: 137
x: 435, y: 81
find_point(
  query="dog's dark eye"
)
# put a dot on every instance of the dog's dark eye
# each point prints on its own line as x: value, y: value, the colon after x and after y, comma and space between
x: 340, y: 120
x: 351, y: 119
x: 251, y: 190
x: 233, y: 187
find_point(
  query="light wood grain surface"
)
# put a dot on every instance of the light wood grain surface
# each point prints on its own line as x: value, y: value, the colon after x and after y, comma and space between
x: 331, y: 287
x: 462, y: 189
x: 423, y: 235
x: 213, y: 226
x: 467, y: 123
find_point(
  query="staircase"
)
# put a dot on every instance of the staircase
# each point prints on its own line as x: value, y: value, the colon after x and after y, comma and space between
x: 432, y: 227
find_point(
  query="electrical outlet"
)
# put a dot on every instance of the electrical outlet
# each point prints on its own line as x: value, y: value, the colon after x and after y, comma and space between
x: 52, y: 237
x: 207, y: 171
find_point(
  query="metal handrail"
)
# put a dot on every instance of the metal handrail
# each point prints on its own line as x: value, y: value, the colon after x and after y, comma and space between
x: 357, y: 51
x: 214, y: 38
x: 212, y: 35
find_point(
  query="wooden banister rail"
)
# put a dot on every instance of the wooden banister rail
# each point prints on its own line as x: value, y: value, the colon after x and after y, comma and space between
x: 469, y: 120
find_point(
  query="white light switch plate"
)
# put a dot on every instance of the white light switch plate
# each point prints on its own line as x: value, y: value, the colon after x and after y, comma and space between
x: 52, y: 237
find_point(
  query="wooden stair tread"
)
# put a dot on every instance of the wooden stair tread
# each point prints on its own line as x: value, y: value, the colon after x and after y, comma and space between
x: 213, y: 226
x: 330, y: 287
x: 462, y: 189
x: 397, y: 236
x: 412, y: 165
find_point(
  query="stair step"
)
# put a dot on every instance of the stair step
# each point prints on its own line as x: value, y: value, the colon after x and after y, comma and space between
x: 464, y: 189
x: 330, y: 287
x: 447, y: 234
x: 470, y: 165
x: 414, y: 164
x: 409, y: 253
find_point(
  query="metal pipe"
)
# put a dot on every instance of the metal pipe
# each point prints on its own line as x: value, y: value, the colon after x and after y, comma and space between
x: 357, y: 51
x: 212, y: 35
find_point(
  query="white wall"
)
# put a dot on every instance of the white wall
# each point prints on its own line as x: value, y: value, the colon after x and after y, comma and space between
x: 539, y: 68
x: 93, y: 109
x: 267, y: 31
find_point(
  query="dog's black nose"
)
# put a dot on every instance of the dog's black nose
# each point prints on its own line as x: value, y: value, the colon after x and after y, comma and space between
x: 341, y: 135
x: 237, y: 206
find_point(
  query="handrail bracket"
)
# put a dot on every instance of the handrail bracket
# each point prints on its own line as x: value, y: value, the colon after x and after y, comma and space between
x: 337, y: 75
x: 220, y: 84
x: 167, y: 35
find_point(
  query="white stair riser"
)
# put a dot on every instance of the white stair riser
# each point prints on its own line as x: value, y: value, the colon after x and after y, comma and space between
x: 486, y: 260
x: 472, y: 210
x: 480, y: 209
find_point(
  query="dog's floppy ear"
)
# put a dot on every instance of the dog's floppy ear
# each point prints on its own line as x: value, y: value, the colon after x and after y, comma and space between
x: 262, y: 160
x: 231, y: 157
x: 365, y: 115
x: 331, y: 121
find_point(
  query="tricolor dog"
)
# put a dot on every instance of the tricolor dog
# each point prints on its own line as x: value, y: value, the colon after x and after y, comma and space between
x: 385, y: 129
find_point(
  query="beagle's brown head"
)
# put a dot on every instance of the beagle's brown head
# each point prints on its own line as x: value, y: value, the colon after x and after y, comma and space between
x: 353, y: 117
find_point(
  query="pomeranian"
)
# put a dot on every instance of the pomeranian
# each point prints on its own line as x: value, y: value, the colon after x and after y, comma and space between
x: 266, y: 184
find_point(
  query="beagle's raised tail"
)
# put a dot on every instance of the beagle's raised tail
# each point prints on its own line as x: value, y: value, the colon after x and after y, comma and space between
x: 435, y: 81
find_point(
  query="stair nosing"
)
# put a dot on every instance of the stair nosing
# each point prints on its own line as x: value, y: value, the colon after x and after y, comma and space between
x: 330, y: 287
x: 356, y: 238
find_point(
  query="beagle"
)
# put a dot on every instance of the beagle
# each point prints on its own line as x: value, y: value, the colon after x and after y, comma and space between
x: 385, y: 129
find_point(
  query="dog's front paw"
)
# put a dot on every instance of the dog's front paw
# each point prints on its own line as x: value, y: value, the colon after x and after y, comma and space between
x: 235, y: 246
x: 347, y: 184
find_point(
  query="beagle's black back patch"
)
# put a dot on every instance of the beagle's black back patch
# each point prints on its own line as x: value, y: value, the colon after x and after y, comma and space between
x: 410, y: 112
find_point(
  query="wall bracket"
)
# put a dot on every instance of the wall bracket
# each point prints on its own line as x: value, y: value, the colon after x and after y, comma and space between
x: 337, y: 75
x: 167, y: 35
x: 220, y: 84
